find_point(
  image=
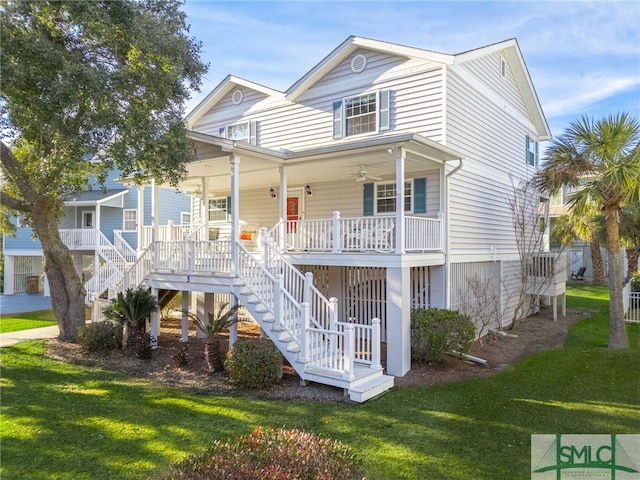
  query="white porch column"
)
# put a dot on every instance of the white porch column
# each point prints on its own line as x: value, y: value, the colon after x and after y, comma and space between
x: 233, y: 329
x: 398, y: 321
x: 155, y: 209
x: 283, y: 208
x: 234, y: 160
x: 400, y: 157
x: 97, y: 231
x: 205, y: 205
x: 9, y: 275
x: 140, y: 217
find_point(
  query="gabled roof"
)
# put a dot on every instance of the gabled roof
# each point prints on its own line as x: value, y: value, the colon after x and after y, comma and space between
x: 230, y: 83
x: 94, y: 197
x: 511, y: 50
x: 349, y: 46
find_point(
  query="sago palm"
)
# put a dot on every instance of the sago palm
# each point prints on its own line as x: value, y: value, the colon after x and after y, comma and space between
x: 217, y: 324
x: 132, y: 309
x: 601, y: 159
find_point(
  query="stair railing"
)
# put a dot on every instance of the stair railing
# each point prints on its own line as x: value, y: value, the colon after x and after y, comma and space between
x: 123, y: 247
x: 135, y: 274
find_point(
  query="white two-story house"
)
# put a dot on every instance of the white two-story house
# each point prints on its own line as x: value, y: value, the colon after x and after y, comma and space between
x: 374, y: 184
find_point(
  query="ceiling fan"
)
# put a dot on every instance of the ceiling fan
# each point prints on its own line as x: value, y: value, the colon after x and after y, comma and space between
x: 363, y: 175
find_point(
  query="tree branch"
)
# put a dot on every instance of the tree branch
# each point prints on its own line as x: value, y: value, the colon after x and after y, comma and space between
x: 14, y: 168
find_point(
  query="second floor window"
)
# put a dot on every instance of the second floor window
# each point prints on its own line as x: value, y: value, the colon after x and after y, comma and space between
x: 532, y: 151
x: 218, y: 208
x: 362, y: 114
x: 242, y: 132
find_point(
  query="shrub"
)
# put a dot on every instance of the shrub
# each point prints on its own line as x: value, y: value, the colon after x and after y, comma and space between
x: 254, y: 363
x: 437, y: 332
x: 635, y: 282
x: 100, y: 336
x: 181, y: 355
x: 142, y: 348
x: 274, y: 454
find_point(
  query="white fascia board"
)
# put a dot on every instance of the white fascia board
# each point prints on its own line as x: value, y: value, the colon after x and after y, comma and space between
x: 92, y: 203
x: 223, y: 88
x: 233, y: 146
x: 349, y: 46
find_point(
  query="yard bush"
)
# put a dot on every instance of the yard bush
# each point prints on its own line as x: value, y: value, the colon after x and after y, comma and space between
x: 273, y: 454
x: 635, y: 282
x: 100, y: 336
x: 437, y: 332
x: 254, y: 363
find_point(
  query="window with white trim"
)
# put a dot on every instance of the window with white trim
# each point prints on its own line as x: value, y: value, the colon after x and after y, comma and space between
x: 129, y: 220
x: 241, y: 132
x: 185, y: 218
x: 386, y: 197
x: 532, y: 151
x: 362, y: 114
x: 218, y: 208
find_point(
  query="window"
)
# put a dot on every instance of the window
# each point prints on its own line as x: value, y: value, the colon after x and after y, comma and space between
x: 129, y: 220
x: 386, y: 197
x: 242, y: 132
x: 87, y: 219
x: 532, y: 151
x: 218, y: 208
x: 363, y: 114
x: 185, y: 218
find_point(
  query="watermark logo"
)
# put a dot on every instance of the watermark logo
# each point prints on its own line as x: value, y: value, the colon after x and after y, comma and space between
x: 602, y: 457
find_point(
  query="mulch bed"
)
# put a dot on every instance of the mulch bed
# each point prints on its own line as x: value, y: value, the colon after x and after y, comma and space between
x: 539, y: 332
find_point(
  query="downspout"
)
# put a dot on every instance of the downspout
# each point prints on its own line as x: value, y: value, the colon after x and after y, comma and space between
x: 447, y: 237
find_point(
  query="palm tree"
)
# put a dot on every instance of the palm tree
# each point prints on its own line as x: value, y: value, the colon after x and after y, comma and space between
x: 131, y: 310
x: 217, y: 324
x: 569, y: 228
x: 601, y: 159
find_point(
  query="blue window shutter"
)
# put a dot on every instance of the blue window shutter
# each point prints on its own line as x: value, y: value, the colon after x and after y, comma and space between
x: 537, y: 162
x: 383, y: 117
x: 253, y: 132
x: 367, y: 203
x: 221, y: 131
x: 526, y: 146
x: 419, y: 195
x: 228, y: 207
x: 337, y: 120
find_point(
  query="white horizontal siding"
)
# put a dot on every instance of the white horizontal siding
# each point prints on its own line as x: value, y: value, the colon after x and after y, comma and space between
x: 494, y: 145
x: 416, y: 104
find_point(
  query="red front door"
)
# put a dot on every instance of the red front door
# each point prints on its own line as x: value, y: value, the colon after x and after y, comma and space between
x: 293, y: 214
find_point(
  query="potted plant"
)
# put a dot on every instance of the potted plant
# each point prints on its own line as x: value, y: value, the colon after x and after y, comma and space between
x: 217, y: 324
x: 131, y: 310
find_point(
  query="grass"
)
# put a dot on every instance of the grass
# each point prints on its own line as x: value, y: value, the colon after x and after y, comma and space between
x: 66, y: 421
x: 26, y: 321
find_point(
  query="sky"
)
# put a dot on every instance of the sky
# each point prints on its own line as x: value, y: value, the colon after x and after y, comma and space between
x: 583, y: 57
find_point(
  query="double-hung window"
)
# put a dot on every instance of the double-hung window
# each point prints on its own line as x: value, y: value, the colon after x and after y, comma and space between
x: 129, y: 220
x: 218, y: 208
x: 380, y: 198
x: 532, y: 152
x: 242, y: 132
x: 362, y: 114
x: 185, y: 218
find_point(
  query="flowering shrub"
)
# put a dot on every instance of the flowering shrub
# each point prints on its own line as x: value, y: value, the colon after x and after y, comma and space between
x: 254, y: 363
x: 272, y: 454
x: 436, y: 332
x: 100, y: 336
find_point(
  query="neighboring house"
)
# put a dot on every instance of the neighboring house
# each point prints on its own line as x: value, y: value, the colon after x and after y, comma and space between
x: 103, y: 228
x: 376, y: 183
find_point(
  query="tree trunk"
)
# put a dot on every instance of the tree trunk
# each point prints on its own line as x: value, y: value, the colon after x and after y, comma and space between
x: 633, y: 255
x: 67, y: 291
x: 617, y: 332
x: 212, y: 356
x: 596, y: 260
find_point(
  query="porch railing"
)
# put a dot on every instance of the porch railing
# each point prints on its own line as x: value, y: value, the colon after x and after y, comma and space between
x: 359, y: 234
x: 174, y: 233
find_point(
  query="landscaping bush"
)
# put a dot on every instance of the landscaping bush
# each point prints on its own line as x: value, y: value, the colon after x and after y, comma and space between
x: 100, y: 336
x: 635, y: 282
x: 142, y: 348
x: 273, y: 454
x: 254, y: 363
x: 437, y: 332
x: 181, y: 354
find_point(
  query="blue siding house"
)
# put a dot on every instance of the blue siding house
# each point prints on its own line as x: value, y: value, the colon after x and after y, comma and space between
x: 104, y: 230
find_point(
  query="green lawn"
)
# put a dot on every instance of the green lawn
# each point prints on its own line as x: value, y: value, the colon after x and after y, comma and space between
x: 26, y: 321
x: 61, y: 421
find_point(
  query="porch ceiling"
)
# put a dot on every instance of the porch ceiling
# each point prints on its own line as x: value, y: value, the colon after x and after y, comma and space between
x: 259, y: 166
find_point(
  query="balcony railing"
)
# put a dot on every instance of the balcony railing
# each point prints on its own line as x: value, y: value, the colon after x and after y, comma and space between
x: 360, y: 234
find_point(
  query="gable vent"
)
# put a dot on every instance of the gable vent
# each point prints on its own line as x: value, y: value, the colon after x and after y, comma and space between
x: 236, y: 98
x: 358, y: 63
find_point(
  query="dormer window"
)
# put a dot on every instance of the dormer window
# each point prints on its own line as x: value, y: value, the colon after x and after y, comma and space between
x: 362, y: 114
x: 242, y: 132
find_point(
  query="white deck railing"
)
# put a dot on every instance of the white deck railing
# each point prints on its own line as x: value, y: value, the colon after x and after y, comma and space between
x: 174, y: 233
x: 359, y: 234
x: 630, y: 304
